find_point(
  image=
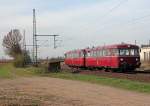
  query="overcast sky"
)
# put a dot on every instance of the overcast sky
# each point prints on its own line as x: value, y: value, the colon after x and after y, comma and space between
x: 80, y: 23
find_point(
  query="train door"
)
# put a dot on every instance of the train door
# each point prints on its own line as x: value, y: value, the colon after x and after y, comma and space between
x: 110, y: 57
x: 84, y: 58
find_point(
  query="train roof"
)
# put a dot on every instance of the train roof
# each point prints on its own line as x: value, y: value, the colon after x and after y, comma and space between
x: 113, y: 46
x: 123, y: 45
x: 119, y: 46
x: 74, y: 51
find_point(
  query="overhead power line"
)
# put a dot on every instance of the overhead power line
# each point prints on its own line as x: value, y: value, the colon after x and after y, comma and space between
x: 111, y: 10
x: 114, y: 8
x: 118, y: 5
x: 131, y: 21
x: 139, y: 18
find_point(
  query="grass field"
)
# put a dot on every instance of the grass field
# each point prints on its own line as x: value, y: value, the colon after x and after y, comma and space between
x: 4, y: 71
x: 115, y: 82
x: 8, y: 71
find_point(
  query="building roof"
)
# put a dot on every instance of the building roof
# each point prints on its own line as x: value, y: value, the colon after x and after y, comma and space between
x: 145, y: 46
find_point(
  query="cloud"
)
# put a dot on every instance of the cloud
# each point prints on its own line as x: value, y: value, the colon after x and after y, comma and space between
x: 80, y: 24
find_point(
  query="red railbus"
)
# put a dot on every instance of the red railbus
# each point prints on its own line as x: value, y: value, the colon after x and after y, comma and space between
x: 75, y: 58
x: 118, y: 56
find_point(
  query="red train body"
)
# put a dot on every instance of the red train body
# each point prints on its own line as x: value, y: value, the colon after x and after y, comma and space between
x: 120, y: 56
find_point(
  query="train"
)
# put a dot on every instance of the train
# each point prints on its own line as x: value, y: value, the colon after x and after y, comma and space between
x: 114, y: 57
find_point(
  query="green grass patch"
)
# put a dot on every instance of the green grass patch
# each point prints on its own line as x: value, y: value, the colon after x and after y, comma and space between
x: 8, y: 71
x: 115, y: 82
x: 5, y: 71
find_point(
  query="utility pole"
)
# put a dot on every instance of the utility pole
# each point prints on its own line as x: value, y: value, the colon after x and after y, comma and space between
x: 135, y: 42
x: 24, y: 40
x: 35, y: 46
x: 24, y: 46
x: 34, y: 32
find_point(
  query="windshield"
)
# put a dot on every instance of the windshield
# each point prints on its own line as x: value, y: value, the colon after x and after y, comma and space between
x: 128, y: 52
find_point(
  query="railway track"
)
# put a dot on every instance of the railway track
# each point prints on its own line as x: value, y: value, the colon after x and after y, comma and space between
x: 135, y: 76
x: 139, y: 75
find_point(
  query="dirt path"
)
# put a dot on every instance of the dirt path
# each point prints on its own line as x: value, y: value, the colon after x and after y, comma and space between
x: 42, y: 91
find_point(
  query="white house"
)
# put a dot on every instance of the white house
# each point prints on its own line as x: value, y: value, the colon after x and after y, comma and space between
x: 145, y: 53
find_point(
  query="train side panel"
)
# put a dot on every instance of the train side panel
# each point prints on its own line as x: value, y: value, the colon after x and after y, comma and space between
x: 108, y: 62
x: 91, y: 62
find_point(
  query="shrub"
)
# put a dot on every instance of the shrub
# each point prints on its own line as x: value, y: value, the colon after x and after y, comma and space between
x: 19, y: 61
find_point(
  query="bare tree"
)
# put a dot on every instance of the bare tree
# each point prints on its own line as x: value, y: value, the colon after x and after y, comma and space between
x: 12, y: 43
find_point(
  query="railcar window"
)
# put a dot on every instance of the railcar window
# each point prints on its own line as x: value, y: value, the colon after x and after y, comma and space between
x: 108, y: 52
x: 132, y: 52
x: 71, y: 55
x: 77, y: 55
x: 99, y: 53
x: 136, y: 52
x: 124, y: 52
x: 103, y: 52
x: 115, y: 52
x: 127, y: 52
x: 95, y: 54
x: 91, y: 53
x: 74, y: 55
x: 80, y: 54
x: 88, y: 54
x: 65, y: 55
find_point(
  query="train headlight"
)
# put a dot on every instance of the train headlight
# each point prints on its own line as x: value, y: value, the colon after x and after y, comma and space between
x: 137, y: 59
x: 121, y: 59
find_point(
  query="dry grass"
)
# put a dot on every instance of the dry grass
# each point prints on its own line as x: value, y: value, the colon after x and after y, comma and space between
x: 145, y: 66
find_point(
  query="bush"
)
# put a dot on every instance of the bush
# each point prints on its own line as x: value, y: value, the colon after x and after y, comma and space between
x: 27, y: 58
x: 19, y: 61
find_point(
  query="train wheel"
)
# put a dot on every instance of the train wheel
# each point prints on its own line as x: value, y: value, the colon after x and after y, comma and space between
x: 124, y: 67
x: 107, y: 69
